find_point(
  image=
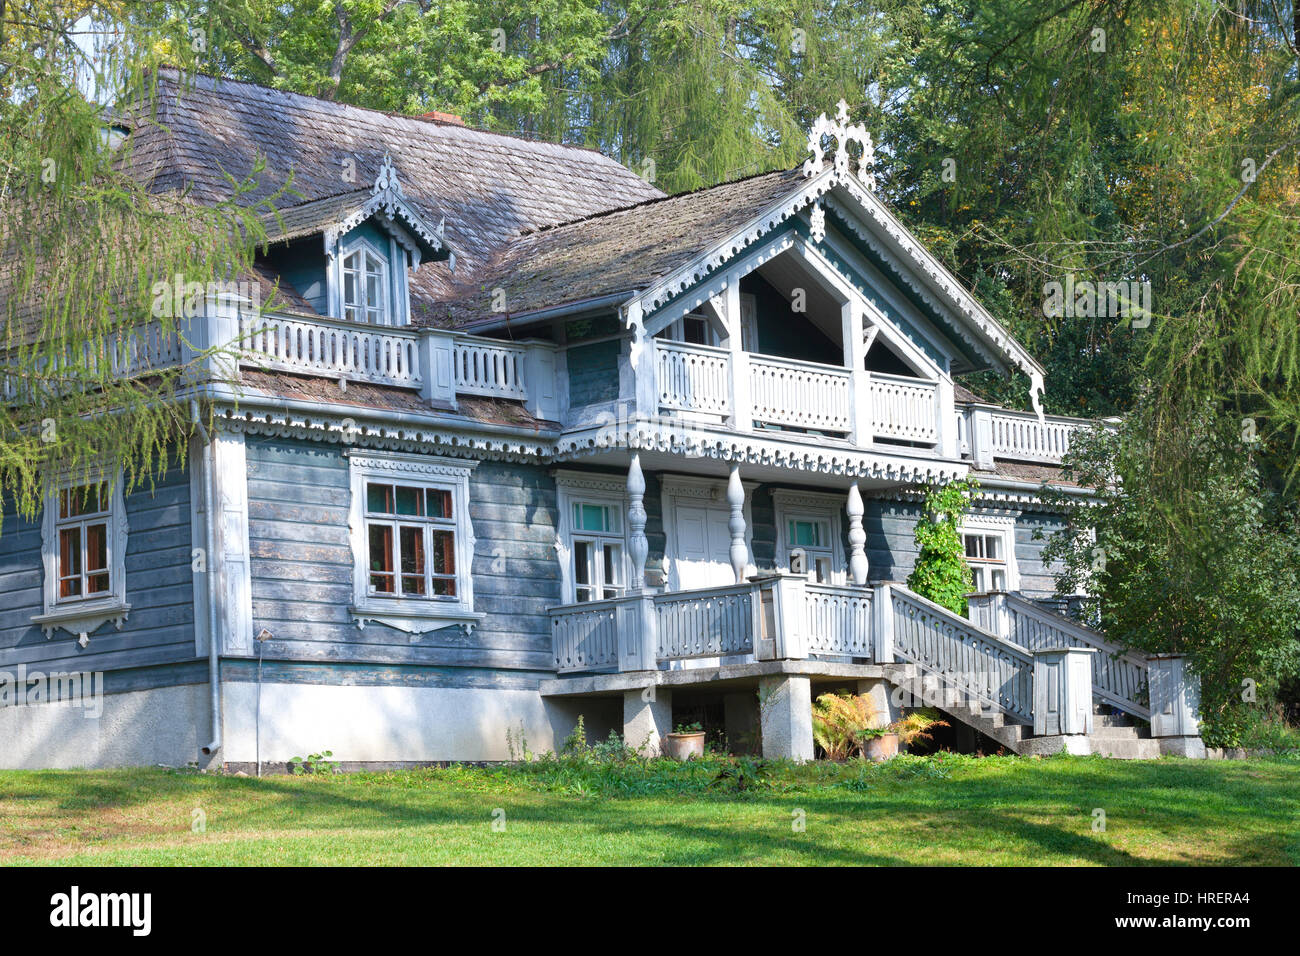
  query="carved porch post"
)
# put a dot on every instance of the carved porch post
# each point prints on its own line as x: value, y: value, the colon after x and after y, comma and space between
x: 637, y: 624
x: 857, y: 537
x: 736, y: 524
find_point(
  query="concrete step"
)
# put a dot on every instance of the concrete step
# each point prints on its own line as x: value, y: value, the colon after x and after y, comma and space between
x: 1112, y: 720
x: 1125, y: 749
x: 1120, y: 733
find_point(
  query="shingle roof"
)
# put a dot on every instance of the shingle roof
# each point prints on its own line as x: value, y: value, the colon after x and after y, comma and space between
x: 489, y: 186
x: 609, y: 252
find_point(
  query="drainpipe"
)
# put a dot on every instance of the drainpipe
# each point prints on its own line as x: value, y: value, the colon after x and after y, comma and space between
x: 214, y: 647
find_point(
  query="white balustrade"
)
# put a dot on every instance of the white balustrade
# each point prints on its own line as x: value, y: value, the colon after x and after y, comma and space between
x: 839, y: 620
x: 693, y: 378
x: 489, y: 367
x: 584, y: 637
x: 800, y: 394
x: 382, y: 356
x: 708, y: 623
x: 904, y: 409
x: 1021, y: 436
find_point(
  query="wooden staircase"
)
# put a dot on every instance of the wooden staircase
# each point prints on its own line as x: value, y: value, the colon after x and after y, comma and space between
x: 986, y: 680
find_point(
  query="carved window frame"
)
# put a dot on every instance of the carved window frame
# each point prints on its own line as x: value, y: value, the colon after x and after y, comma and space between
x: 820, y: 506
x: 998, y: 525
x: 573, y: 487
x: 82, y: 615
x: 415, y: 615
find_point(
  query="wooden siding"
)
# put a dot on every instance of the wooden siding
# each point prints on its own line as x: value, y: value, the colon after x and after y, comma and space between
x: 159, y: 588
x: 1036, y: 578
x: 299, y: 498
x: 593, y: 372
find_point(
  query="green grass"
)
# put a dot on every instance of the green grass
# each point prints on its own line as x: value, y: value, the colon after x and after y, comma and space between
x: 950, y: 810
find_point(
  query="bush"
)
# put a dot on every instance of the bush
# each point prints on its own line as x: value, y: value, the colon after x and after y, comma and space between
x: 941, y: 573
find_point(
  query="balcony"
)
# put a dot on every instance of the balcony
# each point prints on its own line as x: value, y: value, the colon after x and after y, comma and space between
x: 700, y: 382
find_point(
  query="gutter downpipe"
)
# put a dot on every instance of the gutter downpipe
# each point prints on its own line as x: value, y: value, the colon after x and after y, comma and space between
x: 214, y: 645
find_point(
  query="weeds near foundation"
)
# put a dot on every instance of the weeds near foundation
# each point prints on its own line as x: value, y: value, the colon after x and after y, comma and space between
x: 314, y: 764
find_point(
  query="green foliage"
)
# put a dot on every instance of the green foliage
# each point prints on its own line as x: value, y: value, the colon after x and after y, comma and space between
x: 314, y: 764
x: 694, y: 727
x: 841, y: 722
x: 83, y: 239
x: 1211, y: 570
x: 941, y: 572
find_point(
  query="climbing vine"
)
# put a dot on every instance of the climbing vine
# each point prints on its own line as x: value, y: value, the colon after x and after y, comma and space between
x: 941, y: 573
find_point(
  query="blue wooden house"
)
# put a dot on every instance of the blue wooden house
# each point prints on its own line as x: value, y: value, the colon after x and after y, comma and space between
x: 506, y: 436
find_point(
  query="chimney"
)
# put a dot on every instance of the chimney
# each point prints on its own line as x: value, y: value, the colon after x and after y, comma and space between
x: 450, y: 118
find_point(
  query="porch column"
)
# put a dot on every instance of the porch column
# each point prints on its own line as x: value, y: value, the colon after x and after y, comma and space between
x: 856, y: 344
x: 1175, y: 700
x: 742, y: 417
x: 785, y: 716
x: 638, y: 625
x: 736, y: 524
x: 647, y: 718
x: 1063, y: 695
x: 857, y: 537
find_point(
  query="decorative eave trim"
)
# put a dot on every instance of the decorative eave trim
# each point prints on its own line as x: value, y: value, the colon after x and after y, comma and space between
x: 412, y: 621
x: 754, y: 450
x: 330, y: 427
x: 799, y: 498
x: 773, y: 217
x: 570, y: 480
x: 988, y: 496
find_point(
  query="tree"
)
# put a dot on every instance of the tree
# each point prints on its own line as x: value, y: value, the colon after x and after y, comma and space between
x: 85, y: 239
x: 1211, y: 570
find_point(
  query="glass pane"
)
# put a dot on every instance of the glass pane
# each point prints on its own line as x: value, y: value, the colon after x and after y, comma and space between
x: 96, y: 558
x: 412, y: 540
x: 350, y: 289
x: 444, y: 587
x: 582, y: 567
x: 69, y: 562
x: 372, y: 291
x: 999, y: 580
x: 381, y: 558
x: 613, y: 565
x: 977, y: 579
x: 807, y: 534
x: 439, y: 502
x: 444, y: 552
x: 83, y: 500
x: 379, y: 499
x: 973, y: 546
x: 823, y: 567
x: 993, y: 547
x: 695, y: 330
x: 409, y: 500
x: 353, y: 262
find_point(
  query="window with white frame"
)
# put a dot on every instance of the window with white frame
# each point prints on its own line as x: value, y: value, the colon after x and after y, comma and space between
x: 84, y: 533
x: 365, y: 286
x: 592, y: 543
x: 691, y: 329
x: 597, y: 547
x: 989, y: 542
x: 809, y: 533
x: 413, y: 541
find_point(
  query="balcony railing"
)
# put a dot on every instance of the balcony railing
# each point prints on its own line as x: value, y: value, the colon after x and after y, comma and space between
x: 989, y: 433
x: 800, y: 394
x: 904, y: 408
x: 332, y: 348
x: 693, y: 378
x: 491, y: 368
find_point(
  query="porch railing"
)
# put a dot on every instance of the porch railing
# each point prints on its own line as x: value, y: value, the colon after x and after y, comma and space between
x: 972, y: 660
x: 904, y: 409
x: 1119, y: 677
x: 584, y: 637
x: 693, y: 378
x: 332, y: 348
x: 800, y: 394
x: 488, y: 367
x: 712, y: 623
x: 839, y: 620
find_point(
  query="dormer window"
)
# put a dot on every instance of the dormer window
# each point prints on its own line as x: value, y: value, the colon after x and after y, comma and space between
x: 365, y: 286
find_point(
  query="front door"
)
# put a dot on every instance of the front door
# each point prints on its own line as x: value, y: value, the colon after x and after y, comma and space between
x: 703, y: 558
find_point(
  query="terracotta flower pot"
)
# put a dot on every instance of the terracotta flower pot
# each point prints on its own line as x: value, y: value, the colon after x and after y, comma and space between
x: 882, y: 748
x: 684, y: 746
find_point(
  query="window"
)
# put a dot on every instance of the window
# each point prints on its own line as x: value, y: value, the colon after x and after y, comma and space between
x: 597, y: 545
x: 365, y: 286
x: 989, y: 542
x: 811, y: 538
x: 591, y: 545
x: 692, y: 329
x: 411, y: 535
x: 809, y: 534
x: 83, y: 550
x: 413, y: 540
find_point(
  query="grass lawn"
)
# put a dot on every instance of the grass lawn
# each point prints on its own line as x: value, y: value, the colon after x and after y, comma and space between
x: 960, y: 810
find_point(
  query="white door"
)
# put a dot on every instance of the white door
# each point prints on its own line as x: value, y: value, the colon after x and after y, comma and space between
x: 703, y: 540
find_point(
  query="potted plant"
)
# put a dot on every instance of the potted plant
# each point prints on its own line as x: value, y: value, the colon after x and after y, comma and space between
x: 840, y: 720
x: 685, y: 742
x: 881, y: 743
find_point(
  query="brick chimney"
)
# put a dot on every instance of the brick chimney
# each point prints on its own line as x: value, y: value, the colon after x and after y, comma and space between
x: 450, y: 118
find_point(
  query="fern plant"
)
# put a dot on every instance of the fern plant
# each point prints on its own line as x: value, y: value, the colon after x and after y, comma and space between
x: 941, y: 573
x: 840, y: 722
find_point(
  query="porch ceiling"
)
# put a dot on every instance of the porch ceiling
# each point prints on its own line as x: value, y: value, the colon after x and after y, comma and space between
x: 716, y: 676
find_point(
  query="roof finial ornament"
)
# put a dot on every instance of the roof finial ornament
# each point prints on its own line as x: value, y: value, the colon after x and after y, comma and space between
x: 387, y: 178
x: 844, y: 134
